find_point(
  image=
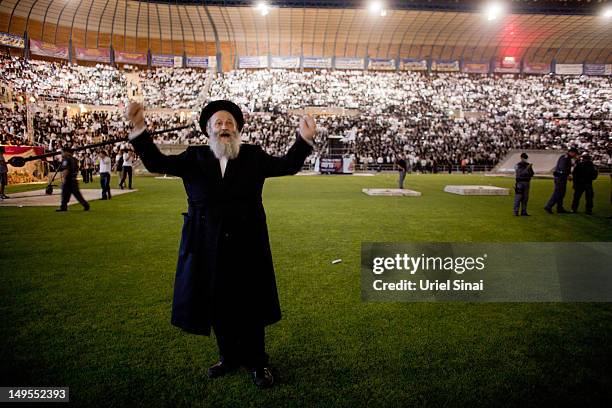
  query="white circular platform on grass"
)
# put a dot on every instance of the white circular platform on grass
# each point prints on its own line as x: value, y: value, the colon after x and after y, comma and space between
x: 477, y: 190
x: 391, y: 192
x: 38, y: 198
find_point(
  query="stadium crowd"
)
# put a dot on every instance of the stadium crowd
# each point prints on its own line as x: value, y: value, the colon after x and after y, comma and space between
x: 432, y: 120
x: 97, y: 85
x: 174, y: 88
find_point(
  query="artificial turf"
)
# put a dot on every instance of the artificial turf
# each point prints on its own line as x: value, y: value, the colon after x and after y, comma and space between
x: 85, y: 300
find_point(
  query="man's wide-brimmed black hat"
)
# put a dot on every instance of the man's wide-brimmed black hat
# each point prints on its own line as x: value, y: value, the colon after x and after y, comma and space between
x: 221, y: 105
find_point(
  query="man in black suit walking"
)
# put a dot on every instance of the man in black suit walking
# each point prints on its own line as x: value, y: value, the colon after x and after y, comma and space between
x: 70, y: 186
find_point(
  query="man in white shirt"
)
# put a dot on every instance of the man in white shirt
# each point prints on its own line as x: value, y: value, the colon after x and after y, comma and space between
x: 105, y: 174
x: 128, y: 158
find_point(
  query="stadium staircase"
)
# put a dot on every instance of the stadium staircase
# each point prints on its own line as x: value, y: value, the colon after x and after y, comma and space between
x: 544, y: 162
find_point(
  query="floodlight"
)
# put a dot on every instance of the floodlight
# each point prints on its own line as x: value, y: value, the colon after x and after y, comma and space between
x: 263, y: 8
x: 375, y: 7
x: 494, y: 11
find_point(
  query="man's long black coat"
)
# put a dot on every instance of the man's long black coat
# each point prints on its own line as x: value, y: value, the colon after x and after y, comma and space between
x: 224, y: 268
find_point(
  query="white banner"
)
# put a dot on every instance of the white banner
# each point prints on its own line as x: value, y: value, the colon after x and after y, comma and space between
x: 253, y: 62
x: 202, y: 62
x: 413, y: 64
x: 445, y: 66
x: 383, y: 64
x: 568, y: 69
x: 536, y: 67
x: 285, y: 62
x: 476, y: 67
x: 350, y: 63
x: 317, y: 62
x: 507, y: 70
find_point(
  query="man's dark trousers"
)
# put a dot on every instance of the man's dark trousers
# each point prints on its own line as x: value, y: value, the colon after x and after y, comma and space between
x: 579, y: 189
x: 558, y: 193
x: 126, y: 172
x: 71, y: 187
x: 239, y: 343
x: 105, y: 184
x: 521, y: 197
x: 402, y: 176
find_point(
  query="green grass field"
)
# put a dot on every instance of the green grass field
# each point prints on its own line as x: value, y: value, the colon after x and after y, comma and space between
x: 86, y: 299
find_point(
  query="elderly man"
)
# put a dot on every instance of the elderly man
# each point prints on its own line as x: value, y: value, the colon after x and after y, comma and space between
x: 225, y: 276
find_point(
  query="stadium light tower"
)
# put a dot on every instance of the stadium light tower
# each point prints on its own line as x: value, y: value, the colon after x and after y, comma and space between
x: 263, y: 8
x: 494, y: 10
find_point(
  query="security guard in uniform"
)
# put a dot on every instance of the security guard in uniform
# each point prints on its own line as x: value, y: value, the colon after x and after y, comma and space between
x: 584, y: 174
x: 524, y: 172
x: 70, y: 186
x: 562, y: 172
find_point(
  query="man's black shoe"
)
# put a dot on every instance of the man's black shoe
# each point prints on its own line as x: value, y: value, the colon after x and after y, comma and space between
x: 220, y: 369
x: 548, y: 210
x: 86, y: 208
x: 562, y: 211
x: 525, y: 215
x: 262, y: 377
x: 61, y: 210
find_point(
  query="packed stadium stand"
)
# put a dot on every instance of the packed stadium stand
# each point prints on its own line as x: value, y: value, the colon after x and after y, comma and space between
x: 443, y: 84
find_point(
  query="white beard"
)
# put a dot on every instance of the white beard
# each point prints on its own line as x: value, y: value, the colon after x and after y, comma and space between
x: 228, y: 150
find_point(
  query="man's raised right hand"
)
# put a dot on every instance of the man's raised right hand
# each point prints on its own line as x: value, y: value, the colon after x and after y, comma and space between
x: 135, y: 113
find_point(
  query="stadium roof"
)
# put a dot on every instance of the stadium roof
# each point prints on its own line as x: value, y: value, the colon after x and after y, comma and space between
x: 518, y: 6
x: 444, y: 29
